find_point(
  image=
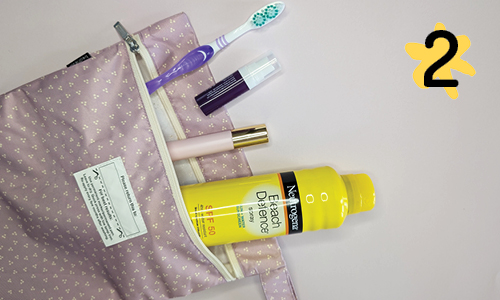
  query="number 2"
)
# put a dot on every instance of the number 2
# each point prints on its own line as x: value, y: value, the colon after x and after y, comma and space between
x: 429, y: 43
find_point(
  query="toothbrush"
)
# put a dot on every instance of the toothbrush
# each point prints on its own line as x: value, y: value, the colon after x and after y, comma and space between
x: 199, y: 56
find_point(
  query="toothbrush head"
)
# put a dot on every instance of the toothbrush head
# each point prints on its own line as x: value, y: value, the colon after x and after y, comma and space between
x: 266, y: 14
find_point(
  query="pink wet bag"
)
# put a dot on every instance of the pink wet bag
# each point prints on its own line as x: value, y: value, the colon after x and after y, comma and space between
x: 90, y: 204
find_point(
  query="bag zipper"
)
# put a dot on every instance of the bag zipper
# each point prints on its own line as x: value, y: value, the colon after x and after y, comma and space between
x: 138, y: 50
x: 151, y: 73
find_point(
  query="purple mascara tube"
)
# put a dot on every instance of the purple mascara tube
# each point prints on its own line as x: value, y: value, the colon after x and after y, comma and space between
x: 241, y: 81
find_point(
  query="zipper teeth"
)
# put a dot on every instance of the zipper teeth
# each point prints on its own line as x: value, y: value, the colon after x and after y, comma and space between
x: 176, y: 191
x: 233, y: 260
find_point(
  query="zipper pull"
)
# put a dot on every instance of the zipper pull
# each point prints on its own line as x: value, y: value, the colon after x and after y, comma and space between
x: 134, y: 47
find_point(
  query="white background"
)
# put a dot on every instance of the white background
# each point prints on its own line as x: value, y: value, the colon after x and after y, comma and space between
x: 345, y: 98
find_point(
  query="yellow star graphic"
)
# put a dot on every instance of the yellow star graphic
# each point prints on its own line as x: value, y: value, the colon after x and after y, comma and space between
x: 429, y: 56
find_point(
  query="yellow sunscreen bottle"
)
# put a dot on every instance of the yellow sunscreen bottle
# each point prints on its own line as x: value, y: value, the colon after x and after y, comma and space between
x: 264, y: 206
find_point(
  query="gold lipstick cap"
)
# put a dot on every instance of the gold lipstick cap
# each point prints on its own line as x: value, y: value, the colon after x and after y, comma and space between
x: 249, y: 136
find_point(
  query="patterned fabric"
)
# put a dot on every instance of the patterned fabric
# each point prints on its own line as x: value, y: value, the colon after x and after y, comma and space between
x: 264, y: 257
x: 277, y: 284
x: 79, y: 117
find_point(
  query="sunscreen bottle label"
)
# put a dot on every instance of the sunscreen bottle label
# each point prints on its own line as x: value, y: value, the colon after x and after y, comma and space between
x: 245, y: 208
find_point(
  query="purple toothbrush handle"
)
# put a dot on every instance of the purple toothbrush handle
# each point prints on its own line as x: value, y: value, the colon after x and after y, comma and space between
x: 191, y: 61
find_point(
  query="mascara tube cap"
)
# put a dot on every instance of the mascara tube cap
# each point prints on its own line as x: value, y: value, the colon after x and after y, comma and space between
x: 238, y: 83
x: 249, y: 136
x: 217, y: 142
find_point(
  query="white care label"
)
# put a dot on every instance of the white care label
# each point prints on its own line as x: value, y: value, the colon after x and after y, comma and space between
x: 111, y: 202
